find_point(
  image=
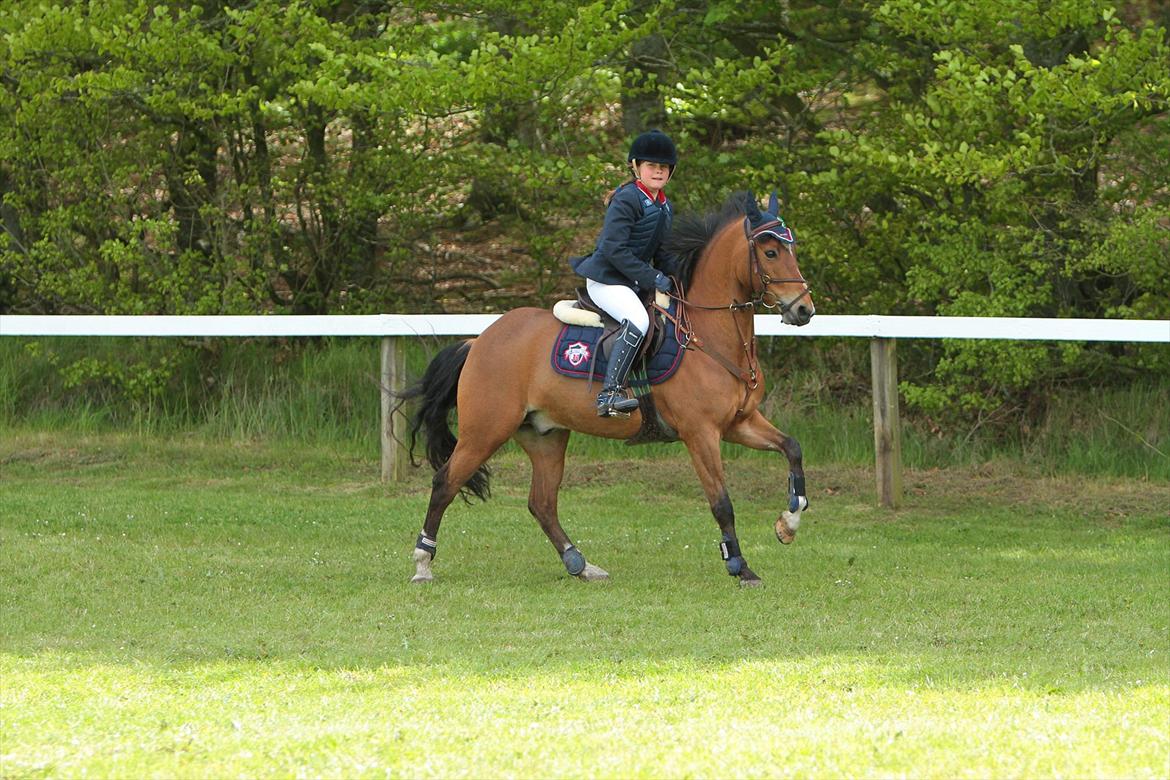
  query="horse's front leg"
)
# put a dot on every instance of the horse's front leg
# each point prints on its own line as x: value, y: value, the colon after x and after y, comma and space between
x: 708, y: 464
x: 756, y: 432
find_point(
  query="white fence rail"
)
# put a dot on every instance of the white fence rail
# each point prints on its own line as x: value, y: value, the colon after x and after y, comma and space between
x: 882, y: 330
x: 867, y: 326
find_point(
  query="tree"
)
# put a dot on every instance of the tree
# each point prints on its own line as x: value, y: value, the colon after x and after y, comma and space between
x: 229, y: 158
x: 975, y: 158
x: 933, y: 156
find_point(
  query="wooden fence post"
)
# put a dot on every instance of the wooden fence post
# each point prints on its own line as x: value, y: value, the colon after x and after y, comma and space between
x: 887, y: 427
x: 394, y: 452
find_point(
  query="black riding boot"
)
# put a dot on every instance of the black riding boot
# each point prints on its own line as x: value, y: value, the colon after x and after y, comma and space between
x: 613, y: 399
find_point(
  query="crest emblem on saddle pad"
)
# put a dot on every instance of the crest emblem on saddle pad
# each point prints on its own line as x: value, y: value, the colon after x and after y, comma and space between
x: 577, y: 353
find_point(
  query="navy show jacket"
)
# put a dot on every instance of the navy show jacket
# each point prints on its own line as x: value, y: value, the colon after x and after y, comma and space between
x: 629, y: 249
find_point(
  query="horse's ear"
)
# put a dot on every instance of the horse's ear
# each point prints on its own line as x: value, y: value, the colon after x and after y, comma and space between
x: 751, y: 208
x: 774, y: 204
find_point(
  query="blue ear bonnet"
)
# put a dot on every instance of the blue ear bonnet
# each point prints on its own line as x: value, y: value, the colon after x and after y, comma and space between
x: 769, y: 223
x: 779, y: 230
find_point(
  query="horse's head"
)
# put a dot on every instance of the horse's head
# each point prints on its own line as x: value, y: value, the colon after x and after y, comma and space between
x: 776, y: 278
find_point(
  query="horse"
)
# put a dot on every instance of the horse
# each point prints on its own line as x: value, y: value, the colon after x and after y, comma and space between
x: 502, y: 386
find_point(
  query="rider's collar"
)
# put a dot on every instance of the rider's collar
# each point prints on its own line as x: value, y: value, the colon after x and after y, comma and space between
x: 660, y: 199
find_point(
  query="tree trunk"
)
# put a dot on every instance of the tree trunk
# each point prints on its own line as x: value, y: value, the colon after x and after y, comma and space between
x: 197, y: 150
x: 643, y: 107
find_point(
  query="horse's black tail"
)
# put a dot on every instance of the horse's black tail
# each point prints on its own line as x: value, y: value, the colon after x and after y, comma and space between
x: 436, y: 392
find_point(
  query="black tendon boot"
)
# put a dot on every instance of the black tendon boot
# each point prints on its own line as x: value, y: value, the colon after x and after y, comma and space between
x: 613, y: 399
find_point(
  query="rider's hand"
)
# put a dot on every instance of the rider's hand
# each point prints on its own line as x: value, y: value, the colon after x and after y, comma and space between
x: 662, y: 283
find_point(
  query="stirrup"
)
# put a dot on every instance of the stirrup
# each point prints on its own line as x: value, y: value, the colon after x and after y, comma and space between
x: 612, y: 402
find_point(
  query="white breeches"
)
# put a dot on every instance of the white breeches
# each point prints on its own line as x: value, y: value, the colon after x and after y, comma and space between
x: 620, y: 302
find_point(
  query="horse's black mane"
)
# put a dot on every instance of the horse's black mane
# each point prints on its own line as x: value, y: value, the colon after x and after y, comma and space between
x: 691, y: 233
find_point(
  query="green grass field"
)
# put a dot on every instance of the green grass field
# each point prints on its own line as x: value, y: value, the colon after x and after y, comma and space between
x: 174, y: 608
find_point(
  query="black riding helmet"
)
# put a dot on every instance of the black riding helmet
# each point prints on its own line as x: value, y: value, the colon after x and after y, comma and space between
x: 654, y: 146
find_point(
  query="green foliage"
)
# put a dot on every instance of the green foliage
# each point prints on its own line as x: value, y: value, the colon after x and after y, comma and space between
x: 1010, y: 175
x: 938, y: 160
x: 226, y: 389
x: 189, y: 159
x: 935, y: 157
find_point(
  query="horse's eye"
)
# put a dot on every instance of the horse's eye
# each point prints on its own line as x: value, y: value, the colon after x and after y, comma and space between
x: 770, y: 253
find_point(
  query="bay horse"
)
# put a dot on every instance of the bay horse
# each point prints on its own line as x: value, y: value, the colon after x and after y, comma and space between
x: 503, y: 386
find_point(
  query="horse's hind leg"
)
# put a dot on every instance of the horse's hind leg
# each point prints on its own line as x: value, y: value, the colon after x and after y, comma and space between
x: 547, y: 452
x: 471, y: 452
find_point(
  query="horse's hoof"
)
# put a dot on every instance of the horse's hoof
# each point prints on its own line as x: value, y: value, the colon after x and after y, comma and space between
x: 422, y: 566
x: 752, y: 582
x: 786, y: 526
x: 593, y: 573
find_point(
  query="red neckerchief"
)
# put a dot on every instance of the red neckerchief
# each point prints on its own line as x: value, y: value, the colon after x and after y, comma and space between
x: 661, y: 193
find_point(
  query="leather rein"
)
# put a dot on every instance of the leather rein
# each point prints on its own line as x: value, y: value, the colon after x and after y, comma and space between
x: 691, y: 340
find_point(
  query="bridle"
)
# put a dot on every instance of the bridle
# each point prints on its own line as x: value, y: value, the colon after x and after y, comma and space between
x: 691, y: 340
x: 782, y: 232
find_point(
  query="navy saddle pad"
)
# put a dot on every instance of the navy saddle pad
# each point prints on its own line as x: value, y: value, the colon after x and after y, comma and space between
x: 574, y: 349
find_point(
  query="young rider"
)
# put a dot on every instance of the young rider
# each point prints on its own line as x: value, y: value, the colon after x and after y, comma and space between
x: 628, y: 260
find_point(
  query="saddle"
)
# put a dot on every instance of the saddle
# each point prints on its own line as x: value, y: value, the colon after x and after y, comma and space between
x: 579, y: 349
x: 585, y: 313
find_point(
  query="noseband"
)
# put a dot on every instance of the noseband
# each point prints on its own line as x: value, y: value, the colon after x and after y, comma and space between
x: 758, y: 268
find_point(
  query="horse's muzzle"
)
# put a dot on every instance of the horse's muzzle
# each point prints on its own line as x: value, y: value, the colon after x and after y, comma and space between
x: 799, y: 314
